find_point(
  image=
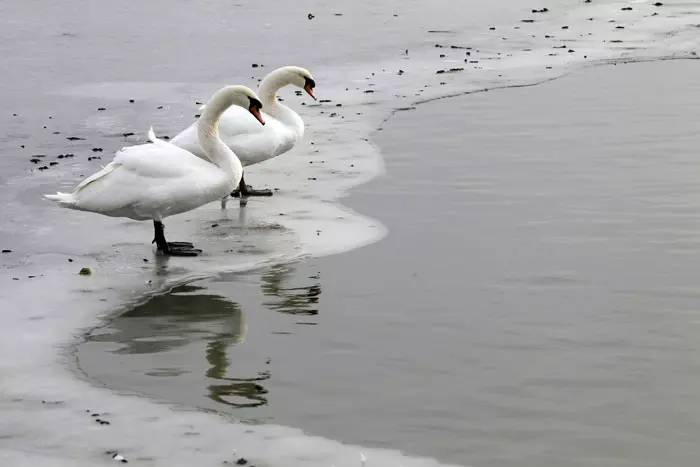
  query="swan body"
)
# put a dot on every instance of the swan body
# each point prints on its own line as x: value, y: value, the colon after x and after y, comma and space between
x: 160, y: 179
x: 251, y: 142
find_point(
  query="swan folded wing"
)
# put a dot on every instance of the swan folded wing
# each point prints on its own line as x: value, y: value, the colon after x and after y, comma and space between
x: 146, y: 175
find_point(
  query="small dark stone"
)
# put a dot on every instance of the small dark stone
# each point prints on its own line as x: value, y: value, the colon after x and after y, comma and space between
x: 159, y: 107
x: 658, y: 4
x: 442, y: 55
x: 131, y: 100
x: 627, y: 8
x: 43, y: 167
x: 197, y: 115
x: 53, y: 163
x: 527, y: 20
x: 74, y: 138
x: 101, y: 108
x: 242, y: 461
x: 145, y: 260
x: 255, y: 65
x: 310, y: 16
x: 70, y: 261
x: 338, y: 105
x: 96, y: 149
x: 565, y: 27
x: 35, y: 160
x: 492, y: 28
x: 7, y: 251
x: 126, y: 135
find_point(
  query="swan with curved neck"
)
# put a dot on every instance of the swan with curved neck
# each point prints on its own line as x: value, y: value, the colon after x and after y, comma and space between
x: 157, y: 180
x: 252, y: 143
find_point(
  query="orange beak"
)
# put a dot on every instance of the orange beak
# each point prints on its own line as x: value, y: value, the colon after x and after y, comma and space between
x: 256, y: 113
x: 310, y: 91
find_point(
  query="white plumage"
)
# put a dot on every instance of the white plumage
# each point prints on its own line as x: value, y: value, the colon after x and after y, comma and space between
x: 160, y: 179
x: 251, y: 142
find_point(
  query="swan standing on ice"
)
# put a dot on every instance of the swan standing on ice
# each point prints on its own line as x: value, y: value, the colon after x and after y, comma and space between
x: 157, y: 180
x: 251, y: 142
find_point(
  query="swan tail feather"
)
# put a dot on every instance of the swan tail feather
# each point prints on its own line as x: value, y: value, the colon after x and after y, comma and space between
x: 152, y: 135
x: 63, y: 199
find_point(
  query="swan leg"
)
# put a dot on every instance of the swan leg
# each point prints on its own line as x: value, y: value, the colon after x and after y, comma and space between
x: 172, y: 248
x: 244, y: 191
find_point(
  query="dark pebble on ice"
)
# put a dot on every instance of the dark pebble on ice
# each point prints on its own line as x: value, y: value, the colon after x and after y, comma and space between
x: 658, y: 4
x: 14, y: 115
x: 369, y: 91
x: 74, y: 138
x: 255, y: 65
x: 492, y: 28
x: 338, y: 105
x: 35, y: 160
x: 127, y: 134
x: 325, y: 100
x: 241, y: 461
x: 43, y: 167
x: 15, y: 278
x: 619, y: 27
x: 543, y: 10
x: 159, y: 107
x: 571, y: 51
x: 101, y: 108
x: 627, y: 8
x: 527, y: 20
x: 439, y: 72
x: 70, y: 260
x: 312, y: 178
x: 53, y: 163
x: 7, y: 251
x: 22, y: 146
x: 337, y: 14
x: 310, y: 16
x: 197, y: 115
x: 131, y: 100
x: 68, y: 155
x: 442, y: 55
x: 96, y: 149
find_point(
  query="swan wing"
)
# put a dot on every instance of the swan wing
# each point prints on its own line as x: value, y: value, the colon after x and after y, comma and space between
x: 150, y: 181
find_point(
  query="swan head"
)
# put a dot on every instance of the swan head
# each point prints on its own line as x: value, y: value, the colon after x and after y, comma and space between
x: 301, y: 78
x: 242, y: 96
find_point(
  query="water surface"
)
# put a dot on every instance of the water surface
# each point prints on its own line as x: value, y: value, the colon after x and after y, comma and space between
x: 534, y: 303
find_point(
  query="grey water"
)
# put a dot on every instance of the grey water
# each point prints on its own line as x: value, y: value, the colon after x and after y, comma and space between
x: 308, y: 361
x: 535, y: 302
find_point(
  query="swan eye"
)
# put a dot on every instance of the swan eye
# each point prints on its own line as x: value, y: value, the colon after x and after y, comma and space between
x: 254, y: 103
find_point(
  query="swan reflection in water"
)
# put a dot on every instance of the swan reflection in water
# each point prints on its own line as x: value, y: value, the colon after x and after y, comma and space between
x: 193, y: 314
x: 188, y: 314
x: 290, y: 300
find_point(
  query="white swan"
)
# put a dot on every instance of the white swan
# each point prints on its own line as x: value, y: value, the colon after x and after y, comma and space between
x: 157, y: 180
x: 251, y: 142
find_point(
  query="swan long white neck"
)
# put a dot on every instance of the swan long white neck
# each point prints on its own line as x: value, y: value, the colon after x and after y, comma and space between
x: 267, y: 92
x: 208, y: 134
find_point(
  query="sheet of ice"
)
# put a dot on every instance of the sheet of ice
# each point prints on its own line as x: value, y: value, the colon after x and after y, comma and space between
x: 48, y: 412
